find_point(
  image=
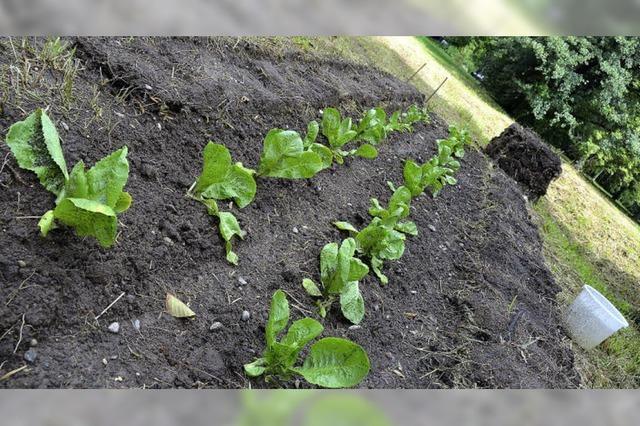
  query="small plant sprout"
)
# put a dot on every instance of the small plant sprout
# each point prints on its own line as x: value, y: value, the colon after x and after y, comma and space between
x: 340, y: 272
x: 331, y: 362
x: 222, y: 180
x: 86, y: 200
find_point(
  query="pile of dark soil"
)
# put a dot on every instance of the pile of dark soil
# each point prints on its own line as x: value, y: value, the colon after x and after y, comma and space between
x: 471, y: 303
x: 525, y: 157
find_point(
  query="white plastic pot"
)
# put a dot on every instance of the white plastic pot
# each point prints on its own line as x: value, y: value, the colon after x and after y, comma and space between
x: 591, y: 318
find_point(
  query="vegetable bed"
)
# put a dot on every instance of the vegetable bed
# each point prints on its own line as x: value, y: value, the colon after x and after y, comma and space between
x: 469, y: 304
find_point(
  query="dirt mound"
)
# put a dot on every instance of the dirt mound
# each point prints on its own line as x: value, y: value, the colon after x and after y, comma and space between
x: 470, y: 304
x: 525, y: 157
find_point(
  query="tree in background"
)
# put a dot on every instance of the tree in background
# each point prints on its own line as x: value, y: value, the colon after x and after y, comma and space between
x: 581, y: 94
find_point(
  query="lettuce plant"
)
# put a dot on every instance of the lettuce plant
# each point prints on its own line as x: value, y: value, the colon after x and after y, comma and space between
x: 86, y: 200
x: 222, y: 180
x: 340, y: 272
x: 284, y: 155
x: 372, y: 128
x: 339, y: 132
x: 331, y: 362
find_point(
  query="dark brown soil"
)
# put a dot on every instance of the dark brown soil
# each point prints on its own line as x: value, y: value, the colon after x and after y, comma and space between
x: 521, y: 153
x: 471, y: 303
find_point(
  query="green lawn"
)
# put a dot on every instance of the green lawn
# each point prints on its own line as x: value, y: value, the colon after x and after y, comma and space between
x: 587, y: 240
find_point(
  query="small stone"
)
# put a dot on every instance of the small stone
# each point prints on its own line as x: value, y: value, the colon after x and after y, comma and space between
x: 246, y: 315
x: 355, y: 327
x: 413, y: 292
x: 114, y: 327
x: 33, y: 342
x: 389, y: 355
x: 295, y: 230
x: 113, y: 357
x: 242, y: 281
x: 22, y: 263
x: 136, y: 324
x: 168, y: 240
x: 30, y: 356
x: 432, y: 228
x: 65, y: 126
x: 119, y: 114
x: 376, y: 307
x: 215, y: 326
x: 146, y: 86
x: 104, y: 361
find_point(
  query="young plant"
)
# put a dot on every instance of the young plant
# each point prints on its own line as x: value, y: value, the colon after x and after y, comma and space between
x: 87, y: 201
x: 222, y: 180
x: 331, y: 363
x: 339, y: 132
x: 340, y: 272
x: 284, y: 155
x: 404, y: 121
x: 384, y: 237
x: 440, y: 170
x: 372, y: 128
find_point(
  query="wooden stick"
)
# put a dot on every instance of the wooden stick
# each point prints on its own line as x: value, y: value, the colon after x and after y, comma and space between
x: 110, y: 305
x: 417, y: 71
x: 436, y: 91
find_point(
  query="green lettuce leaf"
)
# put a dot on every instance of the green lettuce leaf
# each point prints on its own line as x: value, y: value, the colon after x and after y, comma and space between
x: 284, y: 156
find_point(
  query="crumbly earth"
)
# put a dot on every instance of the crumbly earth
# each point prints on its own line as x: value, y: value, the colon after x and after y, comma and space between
x: 521, y: 153
x: 470, y: 304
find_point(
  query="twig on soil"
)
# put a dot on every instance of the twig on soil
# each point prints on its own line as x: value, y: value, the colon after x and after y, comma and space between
x: 110, y: 305
x: 16, y: 291
x: 12, y: 372
x: 436, y: 91
x: 4, y: 162
x: 20, y: 336
x: 27, y: 217
x: 417, y: 71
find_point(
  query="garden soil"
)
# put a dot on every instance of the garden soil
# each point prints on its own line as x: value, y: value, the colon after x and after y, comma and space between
x: 470, y: 304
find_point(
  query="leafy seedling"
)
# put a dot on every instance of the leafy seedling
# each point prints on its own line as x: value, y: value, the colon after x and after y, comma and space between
x: 284, y: 156
x: 340, y: 273
x: 87, y: 201
x: 339, y: 132
x: 372, y: 127
x: 222, y: 180
x: 331, y: 363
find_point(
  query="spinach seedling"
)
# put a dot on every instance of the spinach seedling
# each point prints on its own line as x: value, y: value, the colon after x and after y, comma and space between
x: 222, y: 180
x: 340, y: 272
x: 86, y: 200
x: 331, y: 363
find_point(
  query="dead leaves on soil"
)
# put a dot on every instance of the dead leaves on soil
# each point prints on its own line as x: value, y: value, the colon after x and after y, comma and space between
x: 177, y: 309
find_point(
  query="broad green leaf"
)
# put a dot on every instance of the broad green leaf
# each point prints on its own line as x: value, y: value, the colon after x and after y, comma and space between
x: 345, y: 226
x: 367, y: 151
x: 328, y: 262
x: 312, y: 133
x: 352, y: 303
x: 335, y: 363
x: 77, y: 185
x: 107, y: 178
x: 278, y: 317
x: 47, y: 223
x: 232, y: 257
x: 412, y: 173
x: 401, y: 198
x: 283, y: 156
x: 229, y: 226
x: 255, y: 368
x: 124, y: 202
x: 221, y: 180
x: 88, y: 218
x: 302, y: 332
x: 357, y: 269
x: 176, y: 308
x: 331, y: 124
x: 212, y: 206
x: 343, y: 262
x: 311, y: 287
x: 324, y: 153
x: 407, y: 227
x: 36, y: 145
